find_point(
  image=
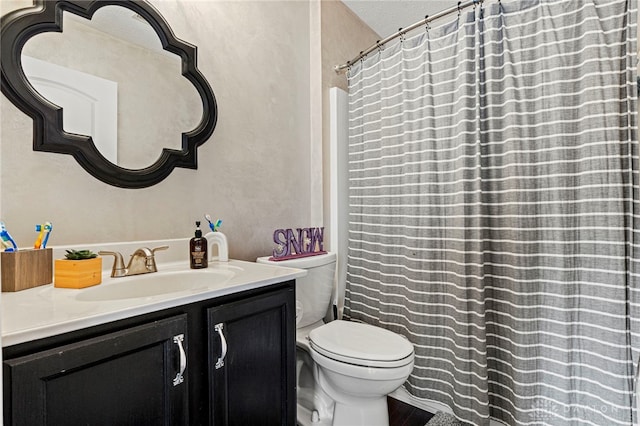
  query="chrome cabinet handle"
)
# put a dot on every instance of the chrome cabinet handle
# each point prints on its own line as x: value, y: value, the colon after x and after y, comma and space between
x: 223, y: 341
x: 183, y: 359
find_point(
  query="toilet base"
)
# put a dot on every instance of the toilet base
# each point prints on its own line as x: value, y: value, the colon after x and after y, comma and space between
x: 306, y: 417
x: 370, y: 412
x: 310, y: 398
x: 329, y: 393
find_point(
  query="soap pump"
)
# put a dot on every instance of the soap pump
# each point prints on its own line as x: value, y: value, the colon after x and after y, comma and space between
x: 198, y: 249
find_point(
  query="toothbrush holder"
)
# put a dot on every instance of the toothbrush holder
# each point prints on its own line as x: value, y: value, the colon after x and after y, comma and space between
x: 25, y: 269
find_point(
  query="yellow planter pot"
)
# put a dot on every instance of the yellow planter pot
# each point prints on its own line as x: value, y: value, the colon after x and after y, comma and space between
x: 78, y: 273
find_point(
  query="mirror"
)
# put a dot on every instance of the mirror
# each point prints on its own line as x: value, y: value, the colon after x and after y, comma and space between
x: 103, y: 73
x: 133, y: 108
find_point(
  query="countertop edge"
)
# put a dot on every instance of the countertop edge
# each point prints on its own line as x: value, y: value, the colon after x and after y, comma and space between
x: 136, y: 308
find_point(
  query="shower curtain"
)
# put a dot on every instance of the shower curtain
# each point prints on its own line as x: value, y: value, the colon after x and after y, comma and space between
x: 494, y: 209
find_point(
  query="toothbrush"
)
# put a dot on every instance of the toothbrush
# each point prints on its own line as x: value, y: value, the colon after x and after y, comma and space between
x: 6, y: 239
x: 213, y: 226
x: 43, y: 237
x: 38, y: 243
x: 48, y: 227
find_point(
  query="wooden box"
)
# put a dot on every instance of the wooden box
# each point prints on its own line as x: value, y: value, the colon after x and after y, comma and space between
x: 25, y: 269
x: 78, y: 273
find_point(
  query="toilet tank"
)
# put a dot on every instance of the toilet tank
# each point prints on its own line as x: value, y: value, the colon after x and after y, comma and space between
x: 313, y: 291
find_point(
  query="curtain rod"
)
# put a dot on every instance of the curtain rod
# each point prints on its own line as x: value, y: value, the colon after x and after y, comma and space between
x: 402, y: 31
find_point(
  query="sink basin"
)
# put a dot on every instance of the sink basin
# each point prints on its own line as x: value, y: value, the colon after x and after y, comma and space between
x: 157, y: 284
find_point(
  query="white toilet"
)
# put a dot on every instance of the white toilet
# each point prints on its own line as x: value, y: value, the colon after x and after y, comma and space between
x: 344, y: 369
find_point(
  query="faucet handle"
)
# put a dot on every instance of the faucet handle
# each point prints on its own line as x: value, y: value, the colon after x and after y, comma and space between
x: 151, y: 261
x: 153, y: 250
x: 118, y: 269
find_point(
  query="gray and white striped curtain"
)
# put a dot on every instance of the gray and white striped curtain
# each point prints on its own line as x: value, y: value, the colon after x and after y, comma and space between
x: 494, y: 209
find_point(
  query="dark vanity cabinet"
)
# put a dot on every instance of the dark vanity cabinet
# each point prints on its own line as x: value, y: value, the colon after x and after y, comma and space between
x: 177, y: 366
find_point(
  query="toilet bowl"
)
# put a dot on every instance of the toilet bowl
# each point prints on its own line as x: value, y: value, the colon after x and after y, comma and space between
x: 358, y: 365
x: 345, y: 369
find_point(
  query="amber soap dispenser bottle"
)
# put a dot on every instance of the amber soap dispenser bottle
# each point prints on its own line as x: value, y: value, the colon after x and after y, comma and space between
x: 198, y: 250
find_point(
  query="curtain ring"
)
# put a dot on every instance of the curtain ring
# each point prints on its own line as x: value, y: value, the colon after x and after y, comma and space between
x: 459, y: 9
x: 379, y: 46
x: 401, y: 34
x: 426, y: 22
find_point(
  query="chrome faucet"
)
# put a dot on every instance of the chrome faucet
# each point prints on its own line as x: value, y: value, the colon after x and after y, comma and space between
x: 143, y: 261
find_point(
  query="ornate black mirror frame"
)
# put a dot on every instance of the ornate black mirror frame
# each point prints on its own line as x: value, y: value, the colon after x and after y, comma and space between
x: 48, y: 134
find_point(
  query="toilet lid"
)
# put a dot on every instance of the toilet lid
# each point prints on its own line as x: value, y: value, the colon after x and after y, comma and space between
x: 361, y: 344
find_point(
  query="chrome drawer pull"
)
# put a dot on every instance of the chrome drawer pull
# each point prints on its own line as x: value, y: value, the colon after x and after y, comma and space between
x: 223, y: 341
x: 183, y: 360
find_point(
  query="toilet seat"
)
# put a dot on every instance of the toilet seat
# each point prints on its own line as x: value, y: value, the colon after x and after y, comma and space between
x: 361, y: 344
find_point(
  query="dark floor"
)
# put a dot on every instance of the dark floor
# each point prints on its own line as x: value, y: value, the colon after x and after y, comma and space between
x: 401, y: 414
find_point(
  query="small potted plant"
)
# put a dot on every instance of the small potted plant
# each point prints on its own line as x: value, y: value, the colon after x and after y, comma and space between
x: 79, y: 269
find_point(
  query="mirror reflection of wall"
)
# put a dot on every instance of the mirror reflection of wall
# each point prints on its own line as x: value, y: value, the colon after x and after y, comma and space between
x: 155, y: 103
x: 90, y: 103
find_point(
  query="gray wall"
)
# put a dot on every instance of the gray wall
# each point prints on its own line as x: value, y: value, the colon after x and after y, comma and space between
x: 269, y: 64
x: 253, y: 173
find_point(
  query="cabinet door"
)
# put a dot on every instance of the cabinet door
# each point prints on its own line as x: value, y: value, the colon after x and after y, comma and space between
x: 129, y: 377
x: 252, y: 361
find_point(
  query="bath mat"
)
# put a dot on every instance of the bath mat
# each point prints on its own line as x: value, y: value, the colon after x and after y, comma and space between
x: 443, y: 419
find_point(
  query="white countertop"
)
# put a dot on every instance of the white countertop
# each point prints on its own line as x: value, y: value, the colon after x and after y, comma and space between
x: 47, y: 311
